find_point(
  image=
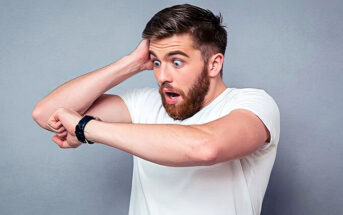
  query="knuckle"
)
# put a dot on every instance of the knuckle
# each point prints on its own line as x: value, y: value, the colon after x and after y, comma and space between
x: 60, y: 109
x: 60, y: 130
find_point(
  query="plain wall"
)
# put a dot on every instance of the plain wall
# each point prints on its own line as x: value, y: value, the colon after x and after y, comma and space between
x: 291, y: 49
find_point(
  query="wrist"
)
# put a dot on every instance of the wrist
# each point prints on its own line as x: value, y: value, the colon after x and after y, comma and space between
x: 88, y: 131
x: 80, y: 127
x: 135, y: 64
x: 122, y: 69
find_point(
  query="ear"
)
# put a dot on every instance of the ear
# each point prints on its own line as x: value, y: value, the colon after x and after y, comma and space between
x: 215, y: 64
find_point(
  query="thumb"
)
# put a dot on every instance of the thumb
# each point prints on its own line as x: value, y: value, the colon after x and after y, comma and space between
x: 54, y: 123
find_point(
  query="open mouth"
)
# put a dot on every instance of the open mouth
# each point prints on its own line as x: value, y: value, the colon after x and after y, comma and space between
x: 171, y: 97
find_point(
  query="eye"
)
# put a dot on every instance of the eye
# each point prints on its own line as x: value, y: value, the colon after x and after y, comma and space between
x: 156, y: 63
x: 177, y: 62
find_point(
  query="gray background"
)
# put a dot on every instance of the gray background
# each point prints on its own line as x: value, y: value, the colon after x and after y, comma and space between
x: 292, y: 49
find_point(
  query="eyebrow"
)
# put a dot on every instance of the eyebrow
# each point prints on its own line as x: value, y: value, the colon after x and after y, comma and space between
x: 171, y: 53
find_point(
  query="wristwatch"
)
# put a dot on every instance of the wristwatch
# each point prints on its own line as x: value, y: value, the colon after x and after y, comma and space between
x: 80, y: 127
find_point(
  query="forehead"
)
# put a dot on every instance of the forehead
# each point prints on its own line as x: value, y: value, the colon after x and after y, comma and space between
x: 177, y: 42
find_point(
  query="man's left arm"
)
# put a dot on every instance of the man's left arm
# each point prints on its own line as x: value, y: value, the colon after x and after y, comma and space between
x: 233, y: 136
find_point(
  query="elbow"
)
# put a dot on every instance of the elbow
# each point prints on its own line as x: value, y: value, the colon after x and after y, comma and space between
x: 35, y: 113
x: 37, y: 116
x: 206, y: 152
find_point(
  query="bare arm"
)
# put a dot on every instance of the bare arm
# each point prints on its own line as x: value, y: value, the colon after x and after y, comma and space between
x: 82, y: 92
x: 233, y: 136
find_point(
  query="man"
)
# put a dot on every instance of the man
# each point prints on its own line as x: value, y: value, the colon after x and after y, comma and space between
x: 199, y: 147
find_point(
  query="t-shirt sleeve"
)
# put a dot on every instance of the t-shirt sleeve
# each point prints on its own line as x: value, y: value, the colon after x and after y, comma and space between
x: 135, y: 99
x: 263, y: 106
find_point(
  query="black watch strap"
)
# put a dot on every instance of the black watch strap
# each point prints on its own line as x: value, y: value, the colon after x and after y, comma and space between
x: 80, y: 128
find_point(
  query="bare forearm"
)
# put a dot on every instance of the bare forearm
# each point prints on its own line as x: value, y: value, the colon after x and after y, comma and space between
x: 79, y: 93
x: 172, y: 145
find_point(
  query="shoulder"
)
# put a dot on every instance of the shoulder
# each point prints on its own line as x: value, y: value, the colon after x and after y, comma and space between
x: 246, y: 96
x: 247, y: 91
x: 252, y: 95
x: 261, y: 103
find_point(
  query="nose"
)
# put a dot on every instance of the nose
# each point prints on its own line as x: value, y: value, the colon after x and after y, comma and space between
x: 163, y: 74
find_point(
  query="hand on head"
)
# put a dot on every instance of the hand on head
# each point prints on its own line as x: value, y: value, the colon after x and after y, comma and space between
x: 142, y: 56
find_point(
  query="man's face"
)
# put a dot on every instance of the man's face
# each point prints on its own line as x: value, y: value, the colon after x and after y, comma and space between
x: 181, y: 75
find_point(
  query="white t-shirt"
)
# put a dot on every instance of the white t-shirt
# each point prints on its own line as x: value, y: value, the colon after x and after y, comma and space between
x: 234, y: 187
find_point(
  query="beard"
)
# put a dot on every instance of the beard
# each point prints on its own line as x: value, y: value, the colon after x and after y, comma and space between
x: 192, y: 102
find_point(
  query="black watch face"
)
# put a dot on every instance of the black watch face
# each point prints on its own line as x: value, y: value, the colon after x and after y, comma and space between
x: 77, y: 130
x: 78, y: 134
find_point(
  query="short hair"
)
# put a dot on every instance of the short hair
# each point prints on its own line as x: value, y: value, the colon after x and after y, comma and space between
x: 209, y: 35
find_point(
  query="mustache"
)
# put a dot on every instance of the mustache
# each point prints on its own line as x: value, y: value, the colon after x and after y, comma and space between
x: 170, y: 87
x: 166, y: 85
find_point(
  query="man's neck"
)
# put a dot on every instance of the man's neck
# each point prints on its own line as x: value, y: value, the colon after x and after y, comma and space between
x: 216, y: 88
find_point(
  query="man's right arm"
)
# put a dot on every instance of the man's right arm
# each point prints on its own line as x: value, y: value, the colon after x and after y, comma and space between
x: 85, y: 94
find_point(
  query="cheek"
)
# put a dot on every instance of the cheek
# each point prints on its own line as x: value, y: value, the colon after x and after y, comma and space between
x: 189, y: 75
x: 184, y: 83
x: 196, y: 68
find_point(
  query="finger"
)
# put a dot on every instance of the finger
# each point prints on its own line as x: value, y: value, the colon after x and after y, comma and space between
x: 62, y: 143
x: 54, y: 122
x: 58, y: 124
x: 59, y: 130
x: 51, y: 128
x: 54, y: 125
x: 149, y: 65
x: 73, y: 141
x: 57, y: 140
x: 62, y: 134
x: 66, y: 142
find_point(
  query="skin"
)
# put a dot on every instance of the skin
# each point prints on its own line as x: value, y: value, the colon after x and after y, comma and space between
x: 176, y: 64
x: 192, y: 66
x: 232, y: 136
